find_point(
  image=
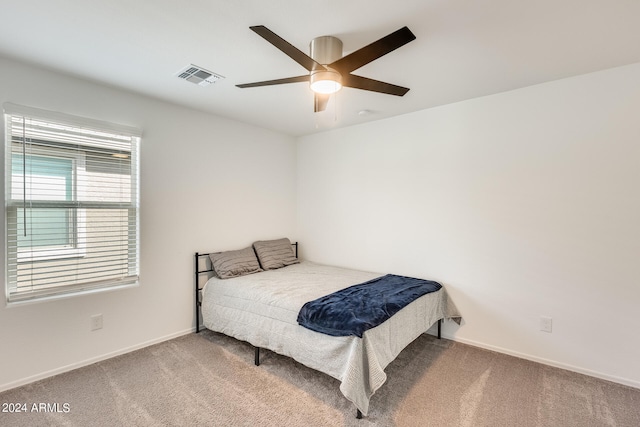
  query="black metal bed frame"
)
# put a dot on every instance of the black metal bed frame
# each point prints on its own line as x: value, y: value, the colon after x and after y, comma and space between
x: 198, y: 303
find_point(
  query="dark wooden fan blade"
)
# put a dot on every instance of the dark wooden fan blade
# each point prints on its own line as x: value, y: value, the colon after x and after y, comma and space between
x: 373, y: 51
x: 320, y: 101
x: 291, y: 51
x: 365, y: 83
x: 276, y: 82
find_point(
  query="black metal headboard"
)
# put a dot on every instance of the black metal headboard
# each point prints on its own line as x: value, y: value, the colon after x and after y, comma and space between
x: 206, y: 270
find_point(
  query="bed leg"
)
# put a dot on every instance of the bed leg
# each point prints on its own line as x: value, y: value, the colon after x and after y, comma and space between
x: 439, y: 328
x: 358, y: 414
x: 256, y: 360
x: 197, y: 299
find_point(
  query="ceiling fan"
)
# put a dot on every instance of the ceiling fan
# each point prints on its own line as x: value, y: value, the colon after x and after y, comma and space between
x: 328, y: 70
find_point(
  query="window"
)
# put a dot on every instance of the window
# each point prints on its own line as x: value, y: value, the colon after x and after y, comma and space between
x: 71, y: 204
x: 45, y: 177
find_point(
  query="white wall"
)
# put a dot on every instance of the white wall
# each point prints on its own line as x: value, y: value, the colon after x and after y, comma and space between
x: 205, y: 181
x: 522, y: 204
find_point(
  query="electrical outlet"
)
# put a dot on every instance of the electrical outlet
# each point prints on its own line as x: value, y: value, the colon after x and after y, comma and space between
x: 546, y: 324
x: 96, y: 322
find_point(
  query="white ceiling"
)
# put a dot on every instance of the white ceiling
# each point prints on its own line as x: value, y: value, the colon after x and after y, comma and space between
x: 464, y: 49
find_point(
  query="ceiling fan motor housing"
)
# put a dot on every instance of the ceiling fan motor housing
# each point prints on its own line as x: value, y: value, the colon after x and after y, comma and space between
x: 325, y: 50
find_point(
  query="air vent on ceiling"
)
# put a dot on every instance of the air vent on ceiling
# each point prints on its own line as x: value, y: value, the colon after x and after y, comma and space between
x: 198, y: 75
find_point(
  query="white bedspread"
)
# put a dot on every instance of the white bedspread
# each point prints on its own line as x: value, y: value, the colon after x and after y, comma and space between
x: 262, y: 309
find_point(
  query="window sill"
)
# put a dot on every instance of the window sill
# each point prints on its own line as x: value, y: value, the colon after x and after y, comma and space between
x: 17, y: 300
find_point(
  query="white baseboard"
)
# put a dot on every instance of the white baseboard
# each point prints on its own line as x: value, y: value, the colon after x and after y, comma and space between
x: 549, y: 362
x: 47, y: 374
x: 93, y: 360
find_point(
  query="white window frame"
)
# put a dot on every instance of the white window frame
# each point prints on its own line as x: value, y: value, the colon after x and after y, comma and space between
x: 127, y: 273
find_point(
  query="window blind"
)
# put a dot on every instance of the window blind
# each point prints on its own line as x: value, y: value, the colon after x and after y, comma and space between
x: 71, y: 204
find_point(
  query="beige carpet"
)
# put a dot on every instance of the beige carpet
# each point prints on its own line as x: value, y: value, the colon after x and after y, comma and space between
x: 210, y: 380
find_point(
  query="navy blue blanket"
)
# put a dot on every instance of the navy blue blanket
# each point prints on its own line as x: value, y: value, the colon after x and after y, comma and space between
x: 353, y: 310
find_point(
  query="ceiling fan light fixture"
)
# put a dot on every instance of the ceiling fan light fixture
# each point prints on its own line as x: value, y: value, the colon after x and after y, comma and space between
x: 325, y: 81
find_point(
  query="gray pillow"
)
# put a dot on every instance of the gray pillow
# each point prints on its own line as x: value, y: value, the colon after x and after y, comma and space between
x: 275, y: 253
x: 235, y: 263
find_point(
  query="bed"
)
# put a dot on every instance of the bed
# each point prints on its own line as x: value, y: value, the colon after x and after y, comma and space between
x: 262, y: 308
